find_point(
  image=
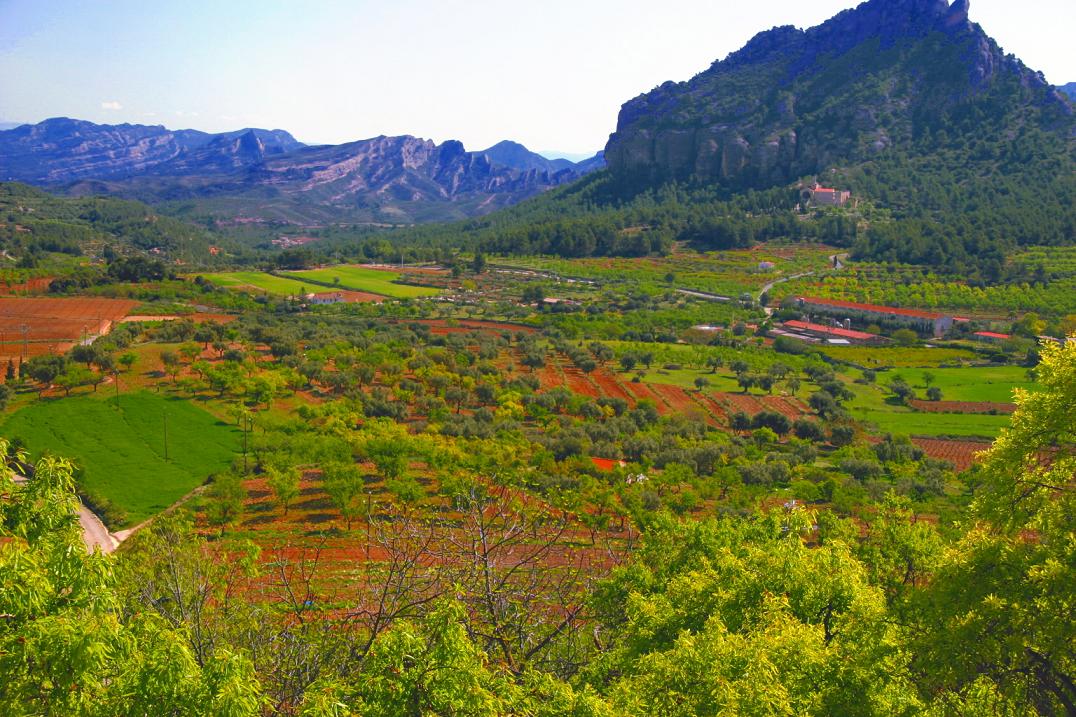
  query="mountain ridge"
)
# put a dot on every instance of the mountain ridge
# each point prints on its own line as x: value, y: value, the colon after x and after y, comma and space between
x: 271, y: 175
x: 794, y: 102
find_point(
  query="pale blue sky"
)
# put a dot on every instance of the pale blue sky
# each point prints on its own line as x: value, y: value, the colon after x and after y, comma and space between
x: 549, y: 73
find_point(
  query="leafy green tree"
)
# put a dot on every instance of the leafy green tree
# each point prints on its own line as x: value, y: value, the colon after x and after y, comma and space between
x: 999, y: 609
x: 171, y: 363
x: 905, y: 337
x: 67, y: 647
x: 225, y: 499
x: 284, y: 482
x: 74, y: 377
x: 344, y: 483
x: 128, y: 360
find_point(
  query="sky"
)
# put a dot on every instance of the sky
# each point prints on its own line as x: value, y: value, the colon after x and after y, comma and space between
x: 551, y: 74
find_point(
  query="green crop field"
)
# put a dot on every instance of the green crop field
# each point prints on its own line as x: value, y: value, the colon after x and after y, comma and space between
x: 981, y: 383
x: 258, y: 281
x: 121, y: 452
x: 360, y: 278
x: 897, y: 357
x: 914, y: 423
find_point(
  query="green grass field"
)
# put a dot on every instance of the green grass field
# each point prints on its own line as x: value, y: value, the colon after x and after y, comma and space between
x: 359, y: 278
x: 259, y: 281
x: 121, y: 452
x: 913, y: 423
x: 981, y: 383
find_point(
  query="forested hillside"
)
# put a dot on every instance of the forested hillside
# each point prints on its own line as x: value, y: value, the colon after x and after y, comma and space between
x: 35, y: 222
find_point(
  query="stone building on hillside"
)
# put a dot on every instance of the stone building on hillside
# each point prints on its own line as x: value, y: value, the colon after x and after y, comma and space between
x: 820, y: 196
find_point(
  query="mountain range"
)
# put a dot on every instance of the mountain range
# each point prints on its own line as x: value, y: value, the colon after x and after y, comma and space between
x: 269, y: 175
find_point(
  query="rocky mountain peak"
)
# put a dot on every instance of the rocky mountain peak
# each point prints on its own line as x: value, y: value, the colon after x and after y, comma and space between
x: 792, y: 101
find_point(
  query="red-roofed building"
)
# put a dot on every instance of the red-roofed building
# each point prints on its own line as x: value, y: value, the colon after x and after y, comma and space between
x: 991, y: 337
x: 927, y: 321
x: 833, y: 332
x: 827, y: 196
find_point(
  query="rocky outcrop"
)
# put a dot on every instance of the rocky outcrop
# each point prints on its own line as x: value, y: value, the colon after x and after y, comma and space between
x: 794, y: 102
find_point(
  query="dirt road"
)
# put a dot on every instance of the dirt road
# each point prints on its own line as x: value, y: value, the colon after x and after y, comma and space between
x: 94, y: 532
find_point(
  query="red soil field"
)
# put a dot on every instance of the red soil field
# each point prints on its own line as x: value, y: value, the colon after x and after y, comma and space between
x: 678, y: 400
x: 549, y: 376
x: 642, y: 392
x: 34, y: 326
x: 741, y: 402
x: 441, y: 327
x: 961, y: 406
x: 960, y: 453
x: 579, y: 383
x: 609, y: 386
x: 791, y: 408
x: 312, y: 524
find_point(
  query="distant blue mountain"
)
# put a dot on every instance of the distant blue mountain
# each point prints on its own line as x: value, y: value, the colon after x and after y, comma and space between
x: 514, y: 155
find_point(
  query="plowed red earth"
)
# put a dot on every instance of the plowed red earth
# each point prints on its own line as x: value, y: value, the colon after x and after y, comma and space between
x: 741, y: 402
x: 53, y: 322
x: 790, y: 407
x: 961, y: 406
x: 608, y: 384
x: 579, y: 383
x: 313, y: 528
x: 960, y: 453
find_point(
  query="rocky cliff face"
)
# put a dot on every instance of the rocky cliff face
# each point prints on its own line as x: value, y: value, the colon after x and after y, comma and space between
x: 793, y: 102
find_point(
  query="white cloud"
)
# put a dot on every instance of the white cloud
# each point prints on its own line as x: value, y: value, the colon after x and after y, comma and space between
x: 111, y: 105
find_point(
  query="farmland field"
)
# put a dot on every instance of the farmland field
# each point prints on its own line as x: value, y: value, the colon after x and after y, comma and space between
x: 32, y: 326
x: 257, y: 281
x: 121, y: 452
x: 897, y: 357
x: 914, y: 423
x: 983, y: 383
x: 361, y: 278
